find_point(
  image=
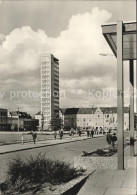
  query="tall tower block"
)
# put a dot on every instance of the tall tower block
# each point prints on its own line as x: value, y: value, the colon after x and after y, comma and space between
x: 49, y: 88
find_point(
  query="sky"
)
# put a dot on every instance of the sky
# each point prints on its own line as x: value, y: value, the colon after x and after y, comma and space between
x: 71, y: 31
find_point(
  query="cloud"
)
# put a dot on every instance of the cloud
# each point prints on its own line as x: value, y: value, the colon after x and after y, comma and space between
x: 2, y: 38
x: 81, y: 43
x: 78, y: 48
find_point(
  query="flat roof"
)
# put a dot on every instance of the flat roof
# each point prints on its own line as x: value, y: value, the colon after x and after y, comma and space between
x: 129, y: 39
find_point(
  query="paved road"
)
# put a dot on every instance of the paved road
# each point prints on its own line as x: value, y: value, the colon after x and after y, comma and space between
x: 65, y: 152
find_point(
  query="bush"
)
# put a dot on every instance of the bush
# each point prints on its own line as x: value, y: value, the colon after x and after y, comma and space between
x: 30, y: 174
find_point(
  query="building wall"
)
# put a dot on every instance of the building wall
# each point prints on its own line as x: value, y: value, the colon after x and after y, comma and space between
x: 98, y: 119
x: 24, y: 124
x: 49, y: 88
x: 61, y: 115
x: 13, y: 123
x: 70, y: 120
x: 39, y: 118
x: 54, y: 86
x: 85, y: 120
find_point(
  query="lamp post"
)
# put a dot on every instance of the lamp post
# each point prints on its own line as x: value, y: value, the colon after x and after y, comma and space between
x: 106, y: 54
x: 42, y: 122
x: 92, y: 113
x: 18, y: 119
x: 18, y: 109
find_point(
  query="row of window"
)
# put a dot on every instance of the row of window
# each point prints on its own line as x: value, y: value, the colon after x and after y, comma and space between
x: 45, y: 68
x: 3, y: 113
x: 46, y: 100
x: 44, y: 111
x: 45, y: 63
x: 46, y: 83
x: 46, y: 95
x: 46, y: 105
x: 3, y: 121
x: 86, y: 124
x: 45, y: 71
x: 46, y: 118
x: 55, y: 77
x: 56, y: 69
x: 46, y: 76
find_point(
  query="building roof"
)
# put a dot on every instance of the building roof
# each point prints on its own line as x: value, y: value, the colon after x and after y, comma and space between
x: 109, y: 110
x: 62, y: 110
x: 86, y: 110
x: 39, y: 113
x: 71, y: 111
x: 21, y: 114
x: 4, y: 109
x: 105, y: 110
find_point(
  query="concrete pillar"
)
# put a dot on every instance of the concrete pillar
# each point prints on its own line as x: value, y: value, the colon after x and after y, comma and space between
x: 131, y: 117
x: 120, y: 95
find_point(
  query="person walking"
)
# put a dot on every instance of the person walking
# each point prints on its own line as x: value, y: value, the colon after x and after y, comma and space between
x: 92, y: 133
x: 61, y: 133
x: 87, y: 131
x: 34, y: 136
x: 108, y: 138
x: 71, y: 132
x: 79, y: 132
x: 90, y: 128
x: 22, y: 139
x: 113, y: 139
x: 55, y: 134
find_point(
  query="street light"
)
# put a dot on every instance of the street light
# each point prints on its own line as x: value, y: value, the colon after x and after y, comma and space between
x: 92, y: 108
x: 106, y: 54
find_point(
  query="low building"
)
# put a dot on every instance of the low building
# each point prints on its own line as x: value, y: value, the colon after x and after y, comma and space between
x: 99, y: 118
x: 31, y: 124
x: 3, y: 119
x: 110, y: 117
x: 21, y: 121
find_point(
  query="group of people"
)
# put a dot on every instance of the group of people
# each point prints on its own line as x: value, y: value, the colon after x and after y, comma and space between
x: 34, y: 137
x: 90, y: 132
x: 60, y: 134
x: 111, y: 139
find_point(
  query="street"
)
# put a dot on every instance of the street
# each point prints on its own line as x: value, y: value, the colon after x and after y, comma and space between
x: 65, y: 152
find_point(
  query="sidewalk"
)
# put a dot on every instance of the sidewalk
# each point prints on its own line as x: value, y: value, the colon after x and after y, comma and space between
x: 26, y: 146
x: 112, y: 182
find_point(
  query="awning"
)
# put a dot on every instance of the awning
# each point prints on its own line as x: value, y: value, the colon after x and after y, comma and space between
x: 129, y: 39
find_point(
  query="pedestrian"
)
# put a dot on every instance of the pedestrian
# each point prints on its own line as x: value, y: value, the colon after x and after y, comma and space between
x: 95, y: 131
x: 79, y: 132
x: 90, y: 128
x: 113, y: 139
x: 22, y: 139
x: 108, y: 138
x: 34, y: 135
x: 61, y: 133
x: 87, y: 132
x: 92, y: 133
x: 55, y: 134
x: 71, y: 132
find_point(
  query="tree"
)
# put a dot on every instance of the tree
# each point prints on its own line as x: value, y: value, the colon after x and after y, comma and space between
x: 42, y: 122
x: 67, y: 127
x: 56, y: 122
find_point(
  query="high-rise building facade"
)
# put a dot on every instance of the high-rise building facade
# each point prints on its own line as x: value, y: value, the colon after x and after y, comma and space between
x: 49, y: 88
